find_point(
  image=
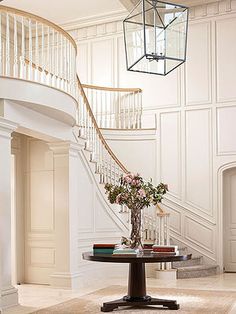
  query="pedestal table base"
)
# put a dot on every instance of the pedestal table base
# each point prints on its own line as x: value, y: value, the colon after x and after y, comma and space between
x: 137, y: 293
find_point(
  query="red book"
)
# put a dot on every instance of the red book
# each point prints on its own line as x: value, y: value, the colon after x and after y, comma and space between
x: 103, y: 245
x: 163, y: 249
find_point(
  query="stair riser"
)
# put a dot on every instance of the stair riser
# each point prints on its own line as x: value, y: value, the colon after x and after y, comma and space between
x: 191, y: 262
x: 196, y: 273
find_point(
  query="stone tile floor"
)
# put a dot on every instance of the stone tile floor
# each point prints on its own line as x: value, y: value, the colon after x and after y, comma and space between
x: 32, y: 297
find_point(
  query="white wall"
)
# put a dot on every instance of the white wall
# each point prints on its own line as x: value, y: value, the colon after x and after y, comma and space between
x: 64, y: 213
x: 196, y: 114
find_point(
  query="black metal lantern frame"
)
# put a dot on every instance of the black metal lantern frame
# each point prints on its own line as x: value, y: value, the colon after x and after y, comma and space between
x: 155, y: 34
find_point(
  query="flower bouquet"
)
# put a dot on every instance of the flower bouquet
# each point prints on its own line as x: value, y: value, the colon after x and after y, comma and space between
x: 136, y: 193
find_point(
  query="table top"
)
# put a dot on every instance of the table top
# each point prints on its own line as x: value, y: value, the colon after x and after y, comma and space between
x: 140, y: 258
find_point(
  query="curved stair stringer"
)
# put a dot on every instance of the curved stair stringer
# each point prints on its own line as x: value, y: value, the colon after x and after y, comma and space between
x: 113, y: 211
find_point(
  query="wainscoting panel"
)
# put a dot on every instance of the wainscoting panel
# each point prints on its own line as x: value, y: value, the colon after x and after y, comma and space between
x: 102, y: 62
x: 198, y: 158
x: 82, y: 62
x: 170, y: 154
x: 226, y: 128
x: 225, y: 59
x: 199, y: 233
x: 39, y: 214
x: 198, y: 65
x: 41, y: 201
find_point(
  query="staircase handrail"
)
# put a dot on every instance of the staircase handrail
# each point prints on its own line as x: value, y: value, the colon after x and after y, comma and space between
x: 113, y: 89
x: 101, y: 137
x: 41, y: 20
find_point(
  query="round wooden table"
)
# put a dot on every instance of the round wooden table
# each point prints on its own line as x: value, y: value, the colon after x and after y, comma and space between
x: 137, y: 280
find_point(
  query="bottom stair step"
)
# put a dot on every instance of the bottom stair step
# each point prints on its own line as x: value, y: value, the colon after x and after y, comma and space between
x: 196, y: 271
x: 194, y: 261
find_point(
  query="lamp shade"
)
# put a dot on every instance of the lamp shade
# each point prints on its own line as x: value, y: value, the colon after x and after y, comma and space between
x: 155, y: 34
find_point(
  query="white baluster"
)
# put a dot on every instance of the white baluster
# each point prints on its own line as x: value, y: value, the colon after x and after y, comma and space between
x: 48, y: 65
x: 30, y: 51
x: 36, y: 71
x: 53, y: 58
x: 42, y: 55
x: 7, y: 66
x: 22, y: 63
x: 15, y: 48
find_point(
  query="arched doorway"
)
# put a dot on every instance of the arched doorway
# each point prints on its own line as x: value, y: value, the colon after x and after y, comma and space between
x: 229, y: 219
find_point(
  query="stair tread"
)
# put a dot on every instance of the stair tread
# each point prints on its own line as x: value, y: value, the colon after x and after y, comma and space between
x: 197, y: 267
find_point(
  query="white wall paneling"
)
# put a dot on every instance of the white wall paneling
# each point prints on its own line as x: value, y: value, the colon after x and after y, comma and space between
x: 226, y: 128
x: 225, y: 59
x: 102, y: 62
x: 196, y: 113
x: 198, y: 158
x: 82, y: 62
x: 193, y: 228
x: 40, y: 224
x: 198, y: 65
x: 170, y: 151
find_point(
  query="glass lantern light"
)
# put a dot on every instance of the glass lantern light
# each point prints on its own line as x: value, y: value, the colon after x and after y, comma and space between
x: 155, y: 34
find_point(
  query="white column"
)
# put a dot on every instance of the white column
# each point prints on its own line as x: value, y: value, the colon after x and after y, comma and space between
x: 8, y: 294
x: 66, y: 161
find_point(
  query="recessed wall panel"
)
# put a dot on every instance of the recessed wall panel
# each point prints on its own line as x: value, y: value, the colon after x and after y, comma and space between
x: 199, y: 160
x: 198, y: 64
x: 102, y: 62
x: 226, y: 130
x: 225, y: 59
x: 170, y: 162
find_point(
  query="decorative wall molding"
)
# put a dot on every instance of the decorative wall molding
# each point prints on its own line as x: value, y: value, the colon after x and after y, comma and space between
x: 200, y: 153
x: 192, y: 229
x: 106, y: 25
x: 95, y: 20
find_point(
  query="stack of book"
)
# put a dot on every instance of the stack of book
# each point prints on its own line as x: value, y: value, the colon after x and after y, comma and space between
x: 165, y: 249
x: 102, y: 248
x: 125, y: 252
x: 147, y: 247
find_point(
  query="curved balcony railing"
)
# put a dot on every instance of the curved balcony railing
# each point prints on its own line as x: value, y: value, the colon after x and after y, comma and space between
x: 34, y: 49
x: 115, y: 108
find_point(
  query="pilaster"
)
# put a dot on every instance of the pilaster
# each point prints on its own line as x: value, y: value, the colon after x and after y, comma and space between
x: 8, y: 294
x: 66, y: 202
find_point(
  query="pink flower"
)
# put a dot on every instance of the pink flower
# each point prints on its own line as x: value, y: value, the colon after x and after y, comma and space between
x: 128, y: 179
x: 135, y: 182
x: 118, y: 199
x: 142, y: 193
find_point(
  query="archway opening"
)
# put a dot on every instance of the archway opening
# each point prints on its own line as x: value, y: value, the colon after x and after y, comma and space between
x: 229, y: 220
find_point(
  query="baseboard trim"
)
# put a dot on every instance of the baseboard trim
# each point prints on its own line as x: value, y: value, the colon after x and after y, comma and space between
x: 9, y: 297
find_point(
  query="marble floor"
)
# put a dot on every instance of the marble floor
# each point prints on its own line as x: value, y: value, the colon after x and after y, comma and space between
x: 32, y: 297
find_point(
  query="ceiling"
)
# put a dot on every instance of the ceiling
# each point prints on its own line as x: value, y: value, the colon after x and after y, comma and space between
x: 66, y: 11
x: 62, y: 12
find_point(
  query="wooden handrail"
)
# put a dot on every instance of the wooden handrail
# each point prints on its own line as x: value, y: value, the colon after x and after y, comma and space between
x: 113, y: 89
x: 40, y: 69
x: 107, y: 147
x: 41, y: 20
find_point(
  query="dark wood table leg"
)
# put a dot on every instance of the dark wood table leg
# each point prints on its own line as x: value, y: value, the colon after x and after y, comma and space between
x: 137, y: 292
